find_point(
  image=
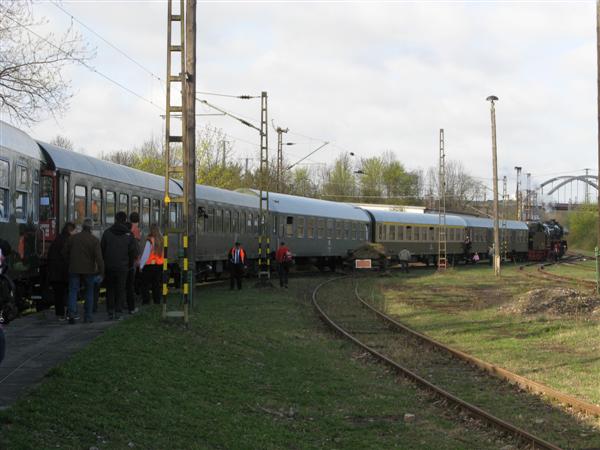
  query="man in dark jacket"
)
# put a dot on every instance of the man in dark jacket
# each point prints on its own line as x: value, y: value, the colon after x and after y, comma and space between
x: 82, y: 252
x: 58, y: 270
x: 120, y: 250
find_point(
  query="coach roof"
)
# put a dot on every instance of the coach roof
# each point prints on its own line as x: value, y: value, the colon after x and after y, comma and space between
x: 303, y: 206
x: 77, y: 162
x: 414, y: 218
x: 483, y: 222
x: 19, y: 141
x: 219, y: 195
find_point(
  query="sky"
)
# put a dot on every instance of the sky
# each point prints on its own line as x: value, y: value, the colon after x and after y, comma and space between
x: 367, y: 77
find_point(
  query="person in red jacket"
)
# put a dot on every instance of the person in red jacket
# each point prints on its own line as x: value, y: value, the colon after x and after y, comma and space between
x: 283, y: 256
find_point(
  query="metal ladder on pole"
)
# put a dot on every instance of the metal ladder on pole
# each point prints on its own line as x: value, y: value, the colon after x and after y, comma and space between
x: 264, y: 260
x: 442, y: 238
x: 174, y: 228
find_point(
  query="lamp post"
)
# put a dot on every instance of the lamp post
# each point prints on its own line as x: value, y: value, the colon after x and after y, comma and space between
x: 492, y: 99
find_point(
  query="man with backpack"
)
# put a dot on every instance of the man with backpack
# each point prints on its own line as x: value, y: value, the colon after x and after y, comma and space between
x: 284, y: 258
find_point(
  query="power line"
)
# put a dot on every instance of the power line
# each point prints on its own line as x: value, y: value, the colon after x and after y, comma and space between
x: 242, y: 97
x: 83, y: 63
x: 122, y: 52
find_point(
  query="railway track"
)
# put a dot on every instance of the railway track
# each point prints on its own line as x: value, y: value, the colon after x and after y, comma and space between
x: 452, y: 375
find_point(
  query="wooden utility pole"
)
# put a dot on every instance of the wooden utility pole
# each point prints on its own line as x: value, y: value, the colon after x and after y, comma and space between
x: 190, y: 215
x: 598, y: 106
x: 492, y: 99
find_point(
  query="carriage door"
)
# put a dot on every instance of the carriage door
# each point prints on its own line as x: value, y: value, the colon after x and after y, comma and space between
x: 63, y: 201
x: 48, y: 204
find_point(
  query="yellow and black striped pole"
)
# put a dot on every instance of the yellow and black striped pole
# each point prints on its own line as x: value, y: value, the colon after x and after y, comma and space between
x: 165, y: 274
x: 186, y: 285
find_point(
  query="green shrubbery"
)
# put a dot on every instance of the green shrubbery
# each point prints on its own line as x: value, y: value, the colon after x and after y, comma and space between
x: 583, y: 228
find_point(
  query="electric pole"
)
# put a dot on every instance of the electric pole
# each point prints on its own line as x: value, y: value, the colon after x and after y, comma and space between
x: 518, y: 193
x: 598, y: 106
x: 189, y: 212
x: 442, y: 241
x: 280, y: 132
x: 492, y: 99
x: 528, y: 199
x: 504, y: 216
x: 264, y: 260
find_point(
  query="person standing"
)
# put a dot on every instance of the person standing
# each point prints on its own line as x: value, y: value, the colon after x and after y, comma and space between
x: 237, y: 262
x: 84, y: 257
x: 283, y: 256
x: 58, y: 270
x: 134, y: 228
x: 404, y: 258
x: 151, y: 266
x: 119, y: 251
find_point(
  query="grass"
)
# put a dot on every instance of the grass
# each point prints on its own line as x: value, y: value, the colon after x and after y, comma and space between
x: 463, y: 308
x: 254, y: 370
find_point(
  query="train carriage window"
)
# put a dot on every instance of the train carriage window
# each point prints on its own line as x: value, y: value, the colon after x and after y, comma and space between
x: 146, y: 211
x: 320, y: 228
x: 384, y: 232
x: 36, y: 195
x: 124, y: 203
x: 255, y: 227
x: 338, y: 229
x: 80, y: 205
x: 111, y: 207
x: 235, y: 222
x: 379, y: 232
x: 97, y: 205
x: 209, y: 221
x: 353, y: 231
x: 4, y: 172
x: 300, y: 227
x: 400, y: 233
x: 218, y: 221
x: 156, y: 211
x: 289, y: 226
x: 392, y: 232
x: 46, y: 196
x: 242, y: 222
x: 226, y: 221
x: 431, y: 234
x: 329, y: 228
x: 346, y: 230
x: 21, y: 194
x: 281, y: 226
x: 408, y: 233
x: 65, y: 200
x: 310, y: 228
x: 135, y: 204
x: 249, y: 229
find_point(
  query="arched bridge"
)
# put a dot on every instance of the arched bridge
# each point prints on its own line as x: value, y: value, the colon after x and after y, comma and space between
x: 591, y: 180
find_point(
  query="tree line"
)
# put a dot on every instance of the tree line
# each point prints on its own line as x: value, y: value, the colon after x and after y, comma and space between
x: 377, y: 179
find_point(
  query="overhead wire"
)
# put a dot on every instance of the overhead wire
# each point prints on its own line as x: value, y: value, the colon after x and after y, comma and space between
x: 86, y: 65
x: 122, y: 52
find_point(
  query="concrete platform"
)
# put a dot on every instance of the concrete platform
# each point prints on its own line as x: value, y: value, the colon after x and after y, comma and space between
x: 37, y: 343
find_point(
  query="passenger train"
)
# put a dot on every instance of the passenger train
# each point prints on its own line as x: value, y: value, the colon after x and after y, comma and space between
x: 43, y: 186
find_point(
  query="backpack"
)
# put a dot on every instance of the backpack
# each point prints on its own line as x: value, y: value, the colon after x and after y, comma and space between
x: 287, y: 257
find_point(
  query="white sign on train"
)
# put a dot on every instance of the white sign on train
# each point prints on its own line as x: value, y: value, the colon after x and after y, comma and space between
x: 362, y: 263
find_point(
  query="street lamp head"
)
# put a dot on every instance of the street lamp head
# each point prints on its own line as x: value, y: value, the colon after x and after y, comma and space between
x: 492, y: 98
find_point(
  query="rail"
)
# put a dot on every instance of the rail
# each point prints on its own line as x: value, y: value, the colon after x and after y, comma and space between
x: 471, y: 409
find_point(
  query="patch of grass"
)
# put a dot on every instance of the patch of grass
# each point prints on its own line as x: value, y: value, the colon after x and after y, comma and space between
x: 254, y: 370
x: 463, y: 308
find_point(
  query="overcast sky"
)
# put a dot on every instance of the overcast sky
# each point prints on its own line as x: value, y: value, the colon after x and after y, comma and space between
x: 365, y: 76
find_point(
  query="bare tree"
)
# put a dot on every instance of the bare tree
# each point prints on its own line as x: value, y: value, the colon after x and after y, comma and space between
x: 63, y: 142
x: 31, y: 64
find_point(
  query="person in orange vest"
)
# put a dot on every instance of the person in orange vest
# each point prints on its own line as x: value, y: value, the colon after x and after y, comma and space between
x: 151, y: 265
x: 284, y: 259
x: 237, y: 263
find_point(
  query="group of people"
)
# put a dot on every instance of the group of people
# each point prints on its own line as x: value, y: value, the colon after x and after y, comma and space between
x: 237, y: 263
x: 117, y: 259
